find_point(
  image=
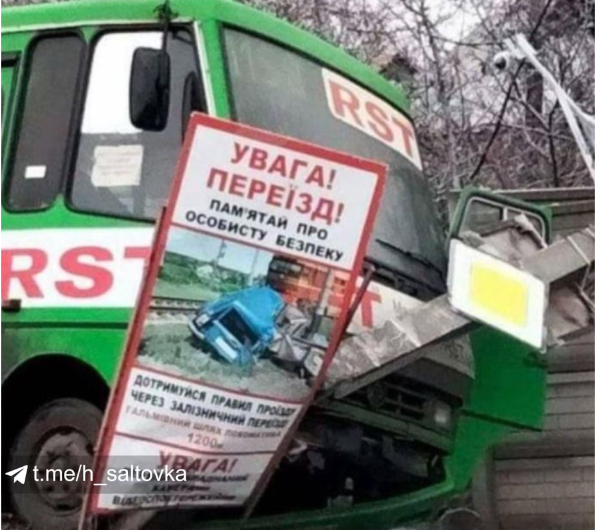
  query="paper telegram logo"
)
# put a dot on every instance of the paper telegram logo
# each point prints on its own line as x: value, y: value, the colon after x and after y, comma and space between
x: 19, y: 474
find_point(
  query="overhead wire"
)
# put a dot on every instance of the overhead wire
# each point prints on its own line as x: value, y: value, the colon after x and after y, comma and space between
x: 503, y: 109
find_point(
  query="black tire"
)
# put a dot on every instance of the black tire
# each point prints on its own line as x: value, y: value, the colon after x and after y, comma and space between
x: 67, y: 427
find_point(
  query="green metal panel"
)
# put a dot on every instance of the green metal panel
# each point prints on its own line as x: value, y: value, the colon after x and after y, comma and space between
x: 469, y: 192
x: 8, y: 81
x: 11, y: 45
x: 89, y: 344
x: 8, y: 75
x: 210, y: 29
x: 510, y: 384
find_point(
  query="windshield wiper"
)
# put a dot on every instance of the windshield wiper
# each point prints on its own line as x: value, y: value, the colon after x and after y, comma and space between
x: 413, y: 256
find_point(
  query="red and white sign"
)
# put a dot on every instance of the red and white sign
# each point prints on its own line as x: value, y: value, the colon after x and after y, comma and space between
x: 370, y: 114
x: 245, y: 204
x: 279, y: 198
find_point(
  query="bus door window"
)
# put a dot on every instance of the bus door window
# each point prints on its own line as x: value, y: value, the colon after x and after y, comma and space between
x: 121, y: 170
x: 40, y: 155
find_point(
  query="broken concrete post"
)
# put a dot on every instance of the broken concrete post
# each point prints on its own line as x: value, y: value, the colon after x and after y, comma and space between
x: 369, y: 356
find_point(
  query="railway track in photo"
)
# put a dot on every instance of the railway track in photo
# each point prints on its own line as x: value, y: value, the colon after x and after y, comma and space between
x: 168, y: 309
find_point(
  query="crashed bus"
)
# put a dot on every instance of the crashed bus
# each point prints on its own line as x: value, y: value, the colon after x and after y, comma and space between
x: 83, y: 186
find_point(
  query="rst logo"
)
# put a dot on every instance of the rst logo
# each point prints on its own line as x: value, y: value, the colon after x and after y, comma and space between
x: 370, y: 114
x: 74, y: 268
x: 380, y: 304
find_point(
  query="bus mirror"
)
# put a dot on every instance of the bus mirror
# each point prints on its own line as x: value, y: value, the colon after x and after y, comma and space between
x: 150, y: 89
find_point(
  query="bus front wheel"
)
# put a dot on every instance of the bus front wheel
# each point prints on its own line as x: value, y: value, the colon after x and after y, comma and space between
x: 58, y: 436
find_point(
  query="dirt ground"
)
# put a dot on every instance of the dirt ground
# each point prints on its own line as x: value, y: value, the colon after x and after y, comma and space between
x: 170, y: 346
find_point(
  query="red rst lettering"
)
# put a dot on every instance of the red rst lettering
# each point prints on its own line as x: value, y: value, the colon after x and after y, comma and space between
x: 344, y: 100
x: 26, y: 277
x: 143, y: 253
x: 379, y: 121
x: 102, y: 279
x: 407, y: 134
x: 366, y: 307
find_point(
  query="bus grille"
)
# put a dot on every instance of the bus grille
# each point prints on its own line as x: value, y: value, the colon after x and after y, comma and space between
x: 397, y: 398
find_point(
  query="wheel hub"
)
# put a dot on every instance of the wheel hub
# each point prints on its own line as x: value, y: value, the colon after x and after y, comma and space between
x: 63, y: 451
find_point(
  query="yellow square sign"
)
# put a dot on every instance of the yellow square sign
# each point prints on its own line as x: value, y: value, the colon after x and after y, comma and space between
x: 500, y: 294
x: 496, y: 293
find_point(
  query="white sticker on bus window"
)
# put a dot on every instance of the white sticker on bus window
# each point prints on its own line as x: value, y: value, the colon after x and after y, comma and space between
x: 117, y: 165
x: 370, y: 114
x: 35, y: 172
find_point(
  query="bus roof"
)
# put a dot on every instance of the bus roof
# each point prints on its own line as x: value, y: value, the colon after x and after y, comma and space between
x: 94, y: 12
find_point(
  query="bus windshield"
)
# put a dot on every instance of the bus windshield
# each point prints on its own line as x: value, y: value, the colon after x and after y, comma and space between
x: 278, y: 90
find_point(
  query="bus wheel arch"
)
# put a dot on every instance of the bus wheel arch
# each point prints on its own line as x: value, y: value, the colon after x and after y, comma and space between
x: 41, y: 380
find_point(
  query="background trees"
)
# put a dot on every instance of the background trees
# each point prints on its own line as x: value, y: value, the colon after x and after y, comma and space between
x: 441, y: 52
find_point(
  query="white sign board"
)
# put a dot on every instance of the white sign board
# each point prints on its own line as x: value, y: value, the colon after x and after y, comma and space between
x: 263, y: 235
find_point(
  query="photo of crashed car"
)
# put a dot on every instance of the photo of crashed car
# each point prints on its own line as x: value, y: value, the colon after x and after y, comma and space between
x: 255, y: 323
x: 241, y: 318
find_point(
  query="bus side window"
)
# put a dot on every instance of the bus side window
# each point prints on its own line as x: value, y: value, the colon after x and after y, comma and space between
x: 40, y: 152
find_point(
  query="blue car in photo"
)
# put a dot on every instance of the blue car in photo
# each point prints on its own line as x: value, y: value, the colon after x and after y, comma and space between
x: 240, y: 326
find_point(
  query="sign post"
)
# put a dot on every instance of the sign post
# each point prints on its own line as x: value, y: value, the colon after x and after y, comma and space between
x: 247, y: 291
